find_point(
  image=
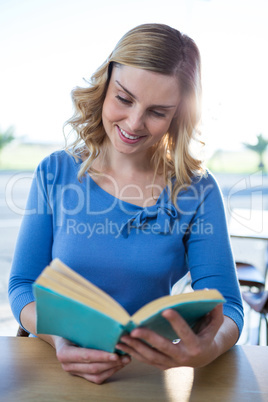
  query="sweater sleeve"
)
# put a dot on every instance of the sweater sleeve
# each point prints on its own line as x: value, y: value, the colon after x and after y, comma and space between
x: 34, y: 243
x: 209, y: 252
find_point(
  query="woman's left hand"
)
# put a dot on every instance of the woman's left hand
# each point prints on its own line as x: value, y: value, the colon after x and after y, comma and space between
x: 194, y: 350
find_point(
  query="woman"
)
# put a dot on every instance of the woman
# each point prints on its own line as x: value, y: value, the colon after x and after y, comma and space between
x: 130, y: 208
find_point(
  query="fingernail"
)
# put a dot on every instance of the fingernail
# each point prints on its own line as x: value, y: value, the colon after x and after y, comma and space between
x: 114, y: 357
x: 125, y: 360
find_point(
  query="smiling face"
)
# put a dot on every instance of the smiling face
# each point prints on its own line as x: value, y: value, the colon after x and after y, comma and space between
x: 138, y: 108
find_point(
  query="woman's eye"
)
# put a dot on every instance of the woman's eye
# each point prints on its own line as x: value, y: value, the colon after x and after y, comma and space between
x: 123, y: 100
x: 157, y: 114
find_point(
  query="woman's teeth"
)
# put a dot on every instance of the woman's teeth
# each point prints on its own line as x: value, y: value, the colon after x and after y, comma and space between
x: 130, y: 137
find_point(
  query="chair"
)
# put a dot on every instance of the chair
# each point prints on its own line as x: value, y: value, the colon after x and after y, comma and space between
x: 259, y: 303
x: 249, y: 276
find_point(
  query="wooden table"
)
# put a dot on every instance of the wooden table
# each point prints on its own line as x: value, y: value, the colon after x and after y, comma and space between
x: 29, y: 371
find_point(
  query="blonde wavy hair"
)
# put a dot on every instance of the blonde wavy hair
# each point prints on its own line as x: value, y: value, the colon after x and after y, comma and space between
x: 158, y: 48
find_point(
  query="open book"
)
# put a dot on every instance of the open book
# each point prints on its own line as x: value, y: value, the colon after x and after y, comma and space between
x: 70, y: 306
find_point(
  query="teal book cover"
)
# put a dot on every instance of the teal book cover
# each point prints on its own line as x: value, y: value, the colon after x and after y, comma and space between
x: 87, y: 327
x: 191, y: 311
x: 80, y: 324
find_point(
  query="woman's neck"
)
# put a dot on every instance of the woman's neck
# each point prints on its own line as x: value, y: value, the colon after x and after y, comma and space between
x: 110, y: 160
x: 128, y: 177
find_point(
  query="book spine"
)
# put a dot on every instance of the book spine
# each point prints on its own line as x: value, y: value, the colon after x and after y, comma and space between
x: 129, y: 327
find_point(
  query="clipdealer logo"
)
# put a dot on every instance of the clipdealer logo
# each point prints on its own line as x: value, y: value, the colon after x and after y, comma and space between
x: 250, y: 219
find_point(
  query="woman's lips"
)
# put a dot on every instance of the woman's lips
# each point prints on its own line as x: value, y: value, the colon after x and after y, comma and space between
x: 128, y: 138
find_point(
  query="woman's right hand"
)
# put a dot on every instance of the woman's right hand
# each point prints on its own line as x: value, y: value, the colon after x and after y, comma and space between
x: 93, y: 365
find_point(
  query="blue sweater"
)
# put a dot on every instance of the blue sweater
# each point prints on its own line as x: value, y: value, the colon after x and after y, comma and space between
x: 135, y: 254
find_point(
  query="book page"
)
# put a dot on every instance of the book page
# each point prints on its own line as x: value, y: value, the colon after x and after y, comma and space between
x: 62, y: 279
x: 63, y: 269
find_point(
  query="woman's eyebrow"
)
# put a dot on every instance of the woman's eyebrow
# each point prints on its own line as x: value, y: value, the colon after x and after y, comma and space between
x: 134, y: 97
x: 126, y: 90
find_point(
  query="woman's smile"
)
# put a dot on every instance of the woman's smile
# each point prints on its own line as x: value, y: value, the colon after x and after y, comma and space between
x: 128, y: 138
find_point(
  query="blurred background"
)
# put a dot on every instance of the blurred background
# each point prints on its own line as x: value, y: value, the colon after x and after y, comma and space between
x: 48, y: 47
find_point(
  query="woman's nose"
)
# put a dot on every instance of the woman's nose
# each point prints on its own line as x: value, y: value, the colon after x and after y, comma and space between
x: 135, y: 120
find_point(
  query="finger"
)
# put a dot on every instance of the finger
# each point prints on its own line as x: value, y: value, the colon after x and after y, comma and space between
x: 163, y: 345
x: 180, y: 326
x: 211, y: 323
x: 93, y: 368
x: 216, y: 317
x: 74, y: 354
x: 184, y: 331
x: 144, y: 352
x: 100, y: 377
